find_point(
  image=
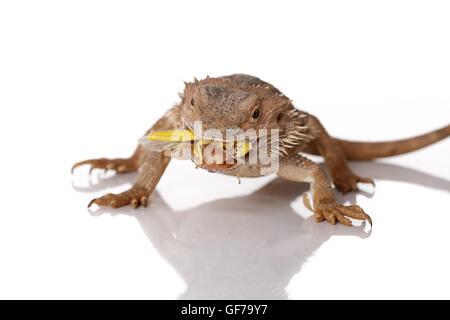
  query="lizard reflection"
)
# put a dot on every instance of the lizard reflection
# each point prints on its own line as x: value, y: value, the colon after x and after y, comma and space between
x: 245, y: 247
x: 249, y: 246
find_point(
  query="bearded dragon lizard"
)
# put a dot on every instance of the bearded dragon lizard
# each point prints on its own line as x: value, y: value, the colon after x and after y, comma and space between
x: 242, y: 102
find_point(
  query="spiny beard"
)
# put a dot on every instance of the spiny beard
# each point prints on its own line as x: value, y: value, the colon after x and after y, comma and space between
x: 298, y: 133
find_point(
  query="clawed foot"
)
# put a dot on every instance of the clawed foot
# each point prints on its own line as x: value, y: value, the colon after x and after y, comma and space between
x: 348, y: 182
x: 332, y: 212
x: 134, y: 197
x: 119, y: 165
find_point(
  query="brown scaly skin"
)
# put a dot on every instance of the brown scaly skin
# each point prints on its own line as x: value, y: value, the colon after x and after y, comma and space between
x: 230, y: 102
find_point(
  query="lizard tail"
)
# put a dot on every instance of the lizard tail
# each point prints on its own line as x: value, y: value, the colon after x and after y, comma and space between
x: 360, y: 151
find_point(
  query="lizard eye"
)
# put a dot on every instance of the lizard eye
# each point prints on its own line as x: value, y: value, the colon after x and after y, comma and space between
x: 256, y: 113
x: 279, y: 117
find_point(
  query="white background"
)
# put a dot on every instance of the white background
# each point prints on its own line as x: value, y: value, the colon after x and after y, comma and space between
x: 83, y: 79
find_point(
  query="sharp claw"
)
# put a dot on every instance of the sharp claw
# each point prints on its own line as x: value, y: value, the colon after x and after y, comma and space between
x: 307, y: 203
x: 92, y: 202
x: 369, y: 219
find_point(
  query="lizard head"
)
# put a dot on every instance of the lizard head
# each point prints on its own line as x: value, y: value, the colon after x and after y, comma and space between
x: 225, y: 113
x: 226, y: 125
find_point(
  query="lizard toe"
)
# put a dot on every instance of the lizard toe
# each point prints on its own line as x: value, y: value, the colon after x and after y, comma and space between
x: 118, y: 165
x: 134, y: 197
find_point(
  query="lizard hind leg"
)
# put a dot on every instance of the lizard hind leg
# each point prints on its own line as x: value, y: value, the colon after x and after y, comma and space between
x: 119, y: 165
x: 344, y: 179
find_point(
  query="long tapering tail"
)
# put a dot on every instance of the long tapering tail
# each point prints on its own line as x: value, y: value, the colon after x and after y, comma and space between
x: 360, y: 151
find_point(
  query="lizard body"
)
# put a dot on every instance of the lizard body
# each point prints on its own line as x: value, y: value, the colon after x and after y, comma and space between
x: 241, y: 102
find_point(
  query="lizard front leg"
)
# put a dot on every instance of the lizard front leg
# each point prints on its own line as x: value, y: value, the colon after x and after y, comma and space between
x: 153, y: 167
x: 301, y: 169
x: 343, y: 178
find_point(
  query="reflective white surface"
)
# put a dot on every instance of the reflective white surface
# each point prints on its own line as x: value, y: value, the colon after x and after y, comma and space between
x: 205, y: 236
x: 79, y: 82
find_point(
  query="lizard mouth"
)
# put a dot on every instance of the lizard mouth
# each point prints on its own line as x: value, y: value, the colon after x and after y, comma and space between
x: 214, y: 155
